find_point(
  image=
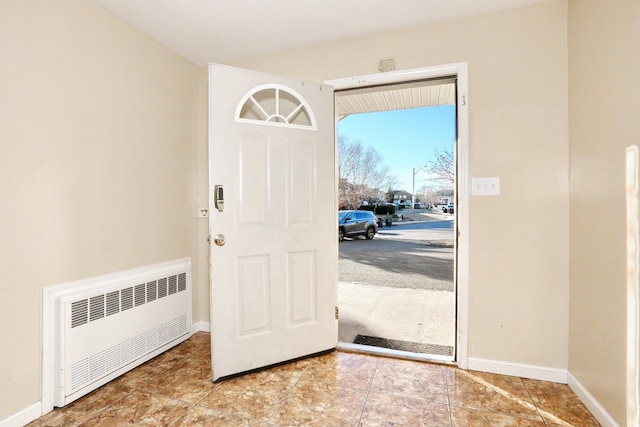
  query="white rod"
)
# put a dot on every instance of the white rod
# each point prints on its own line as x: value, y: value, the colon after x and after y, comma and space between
x: 294, y: 112
x: 260, y: 109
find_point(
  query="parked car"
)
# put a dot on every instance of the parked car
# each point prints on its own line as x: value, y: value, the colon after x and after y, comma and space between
x: 357, y: 223
x: 448, y: 208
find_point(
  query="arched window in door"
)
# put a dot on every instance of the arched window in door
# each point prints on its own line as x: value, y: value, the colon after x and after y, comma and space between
x: 275, y: 105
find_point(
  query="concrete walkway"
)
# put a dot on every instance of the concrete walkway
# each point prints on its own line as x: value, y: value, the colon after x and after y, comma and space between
x: 415, y: 315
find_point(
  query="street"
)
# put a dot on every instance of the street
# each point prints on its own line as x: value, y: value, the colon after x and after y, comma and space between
x: 414, y: 255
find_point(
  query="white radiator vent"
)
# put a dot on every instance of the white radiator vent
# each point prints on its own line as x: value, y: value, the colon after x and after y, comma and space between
x: 110, y: 303
x: 113, y: 302
x: 127, y: 298
x: 108, y: 325
x: 80, y: 310
x: 98, y: 365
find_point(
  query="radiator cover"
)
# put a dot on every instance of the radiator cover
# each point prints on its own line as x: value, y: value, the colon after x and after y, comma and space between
x: 108, y: 325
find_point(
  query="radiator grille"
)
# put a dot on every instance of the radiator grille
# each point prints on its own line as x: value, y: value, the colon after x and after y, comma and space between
x: 182, y: 282
x: 126, y: 299
x: 162, y: 288
x: 97, y: 307
x: 112, y: 359
x: 113, y: 303
x: 140, y: 295
x: 79, y: 312
x: 79, y: 373
x: 152, y: 290
x: 173, y: 285
x: 98, y: 365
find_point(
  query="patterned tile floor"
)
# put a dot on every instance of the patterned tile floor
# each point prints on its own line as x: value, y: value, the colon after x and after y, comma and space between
x: 338, y: 389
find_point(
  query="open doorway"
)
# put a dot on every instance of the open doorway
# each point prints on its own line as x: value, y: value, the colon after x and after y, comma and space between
x: 398, y: 292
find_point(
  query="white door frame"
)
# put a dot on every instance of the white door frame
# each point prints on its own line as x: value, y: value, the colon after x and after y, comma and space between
x: 462, y: 248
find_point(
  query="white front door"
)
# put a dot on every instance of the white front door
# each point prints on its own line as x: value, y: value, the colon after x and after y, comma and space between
x: 274, y: 261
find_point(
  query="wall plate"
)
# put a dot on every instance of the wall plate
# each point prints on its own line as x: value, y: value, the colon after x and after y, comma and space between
x: 489, y: 186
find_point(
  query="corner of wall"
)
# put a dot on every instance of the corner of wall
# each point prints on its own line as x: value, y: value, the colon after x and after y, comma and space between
x: 591, y: 402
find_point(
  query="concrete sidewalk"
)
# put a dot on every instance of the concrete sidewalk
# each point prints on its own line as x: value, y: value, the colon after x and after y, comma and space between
x: 423, y: 217
x: 414, y: 315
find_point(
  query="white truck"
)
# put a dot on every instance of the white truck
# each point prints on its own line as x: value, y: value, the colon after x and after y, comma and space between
x: 447, y: 204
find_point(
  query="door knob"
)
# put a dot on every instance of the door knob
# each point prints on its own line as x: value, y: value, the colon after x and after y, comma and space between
x: 219, y: 239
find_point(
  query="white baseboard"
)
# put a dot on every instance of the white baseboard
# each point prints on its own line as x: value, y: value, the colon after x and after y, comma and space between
x: 200, y: 327
x: 546, y: 374
x: 518, y: 370
x: 23, y: 417
x: 591, y: 403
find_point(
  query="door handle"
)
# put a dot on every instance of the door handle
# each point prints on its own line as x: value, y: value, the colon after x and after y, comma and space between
x: 219, y: 239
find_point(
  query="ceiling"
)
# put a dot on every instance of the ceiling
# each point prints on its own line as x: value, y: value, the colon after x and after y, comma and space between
x: 223, y: 30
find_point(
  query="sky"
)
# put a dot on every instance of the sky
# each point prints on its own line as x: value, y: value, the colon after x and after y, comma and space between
x: 405, y: 139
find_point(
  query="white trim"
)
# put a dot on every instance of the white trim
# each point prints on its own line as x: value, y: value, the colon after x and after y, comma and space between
x: 460, y: 70
x: 47, y: 354
x: 462, y: 224
x: 446, y: 70
x: 518, y: 370
x: 591, y: 403
x: 201, y: 326
x: 388, y: 352
x: 23, y: 417
x: 633, y: 285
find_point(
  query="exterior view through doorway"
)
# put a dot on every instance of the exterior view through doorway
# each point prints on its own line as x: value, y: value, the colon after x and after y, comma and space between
x: 398, y: 150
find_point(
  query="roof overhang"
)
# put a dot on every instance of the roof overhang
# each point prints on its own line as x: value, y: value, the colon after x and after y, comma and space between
x: 400, y: 96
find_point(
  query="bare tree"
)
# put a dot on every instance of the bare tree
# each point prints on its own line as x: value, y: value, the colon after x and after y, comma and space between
x: 443, y: 166
x: 361, y: 173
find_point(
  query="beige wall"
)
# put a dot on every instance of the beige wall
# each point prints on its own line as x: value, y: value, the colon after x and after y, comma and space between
x: 604, y: 41
x: 98, y: 132
x: 103, y: 163
x: 519, y: 254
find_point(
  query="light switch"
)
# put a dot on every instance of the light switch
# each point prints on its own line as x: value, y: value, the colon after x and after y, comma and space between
x: 489, y: 186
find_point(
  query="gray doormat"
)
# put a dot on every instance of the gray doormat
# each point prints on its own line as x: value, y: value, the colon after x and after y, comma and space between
x: 413, y: 347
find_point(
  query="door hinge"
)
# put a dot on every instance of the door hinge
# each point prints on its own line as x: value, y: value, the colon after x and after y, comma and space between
x: 337, y: 313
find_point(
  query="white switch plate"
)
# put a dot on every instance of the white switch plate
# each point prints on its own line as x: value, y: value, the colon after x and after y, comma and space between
x: 485, y: 186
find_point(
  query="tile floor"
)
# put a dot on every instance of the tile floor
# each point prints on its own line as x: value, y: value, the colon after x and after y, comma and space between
x: 338, y: 389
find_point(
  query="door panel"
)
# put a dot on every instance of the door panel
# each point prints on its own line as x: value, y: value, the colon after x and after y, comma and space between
x: 301, y: 184
x: 253, y: 191
x: 302, y: 288
x: 253, y: 284
x: 274, y: 282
